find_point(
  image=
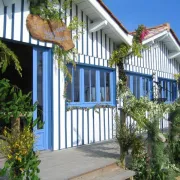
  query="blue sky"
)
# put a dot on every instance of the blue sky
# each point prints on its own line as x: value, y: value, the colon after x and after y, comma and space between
x: 131, y: 13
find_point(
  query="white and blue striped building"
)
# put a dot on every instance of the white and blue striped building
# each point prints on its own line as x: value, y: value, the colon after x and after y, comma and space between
x: 86, y: 115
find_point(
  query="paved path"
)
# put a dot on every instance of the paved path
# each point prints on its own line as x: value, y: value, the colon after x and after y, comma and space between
x: 64, y: 164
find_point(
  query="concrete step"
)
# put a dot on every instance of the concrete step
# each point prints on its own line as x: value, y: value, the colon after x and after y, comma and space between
x: 110, y: 172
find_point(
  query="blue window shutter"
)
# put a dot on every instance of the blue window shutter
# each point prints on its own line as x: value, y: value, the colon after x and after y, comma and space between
x: 169, y: 91
x: 81, y: 84
x: 151, y: 89
x: 142, y: 93
x: 98, y: 86
x: 174, y: 91
x: 72, y: 84
x: 162, y: 89
x: 131, y: 83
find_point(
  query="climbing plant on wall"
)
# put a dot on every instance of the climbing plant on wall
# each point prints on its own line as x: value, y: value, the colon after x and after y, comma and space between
x: 52, y: 10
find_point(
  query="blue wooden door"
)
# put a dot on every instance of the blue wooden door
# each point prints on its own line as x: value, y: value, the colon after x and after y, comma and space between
x: 42, y: 95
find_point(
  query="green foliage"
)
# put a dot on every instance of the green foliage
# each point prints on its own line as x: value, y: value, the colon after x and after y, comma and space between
x: 17, y: 146
x: 7, y: 57
x: 119, y: 54
x: 174, y: 136
x: 13, y: 103
x: 49, y: 10
x: 21, y: 161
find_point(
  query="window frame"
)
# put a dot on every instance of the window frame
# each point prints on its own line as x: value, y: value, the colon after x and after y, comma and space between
x: 175, y: 90
x: 141, y: 90
x: 82, y: 102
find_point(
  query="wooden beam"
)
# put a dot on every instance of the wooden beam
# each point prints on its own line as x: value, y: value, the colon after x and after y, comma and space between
x: 173, y: 55
x: 96, y: 26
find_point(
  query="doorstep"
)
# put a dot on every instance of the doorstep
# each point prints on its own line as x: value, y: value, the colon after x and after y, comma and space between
x: 110, y: 172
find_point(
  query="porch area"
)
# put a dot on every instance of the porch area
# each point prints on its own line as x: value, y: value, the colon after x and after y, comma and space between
x: 70, y: 163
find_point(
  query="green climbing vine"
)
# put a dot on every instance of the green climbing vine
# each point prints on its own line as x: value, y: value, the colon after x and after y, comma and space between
x: 49, y: 10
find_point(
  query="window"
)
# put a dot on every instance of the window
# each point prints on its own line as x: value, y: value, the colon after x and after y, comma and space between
x: 168, y: 89
x: 91, y: 86
x: 140, y: 84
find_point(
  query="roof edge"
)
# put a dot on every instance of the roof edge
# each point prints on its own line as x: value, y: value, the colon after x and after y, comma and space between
x: 113, y: 16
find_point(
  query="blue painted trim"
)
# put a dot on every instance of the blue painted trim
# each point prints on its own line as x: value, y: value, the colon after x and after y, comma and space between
x: 131, y: 83
x: 96, y: 67
x: 12, y: 28
x: 46, y: 95
x: 168, y: 88
x: 141, y: 87
x: 97, y: 53
x: 171, y: 83
x: 101, y: 44
x: 98, y: 98
x: 5, y: 14
x: 105, y: 46
x: 52, y: 99
x: 22, y: 17
x: 137, y: 74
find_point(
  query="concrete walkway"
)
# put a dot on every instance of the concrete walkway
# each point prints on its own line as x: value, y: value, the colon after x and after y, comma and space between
x: 64, y: 164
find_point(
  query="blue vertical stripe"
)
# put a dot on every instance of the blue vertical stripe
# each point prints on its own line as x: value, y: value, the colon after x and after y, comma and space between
x: 22, y: 17
x: 5, y: 14
x: 12, y: 32
x: 97, y: 53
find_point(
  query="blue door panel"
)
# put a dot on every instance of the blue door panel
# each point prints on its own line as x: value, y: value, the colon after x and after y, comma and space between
x: 41, y: 95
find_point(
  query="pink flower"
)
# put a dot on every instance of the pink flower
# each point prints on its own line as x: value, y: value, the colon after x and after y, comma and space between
x: 144, y: 33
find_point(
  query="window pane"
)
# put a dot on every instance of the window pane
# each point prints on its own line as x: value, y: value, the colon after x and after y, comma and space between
x: 128, y: 81
x: 40, y: 89
x: 69, y: 86
x: 102, y: 86
x: 108, y: 97
x: 135, y: 85
x: 87, y: 89
x: 93, y: 85
x: 138, y: 87
x: 76, y: 85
